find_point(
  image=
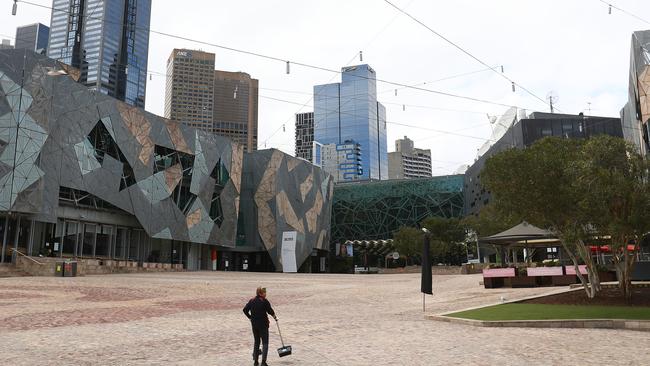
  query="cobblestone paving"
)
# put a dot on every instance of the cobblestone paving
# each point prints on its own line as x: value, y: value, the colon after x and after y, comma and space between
x: 195, y: 319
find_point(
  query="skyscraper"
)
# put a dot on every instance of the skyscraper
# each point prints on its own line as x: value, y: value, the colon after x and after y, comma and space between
x: 107, y: 40
x: 220, y: 102
x: 235, y: 107
x: 189, y: 92
x: 33, y: 37
x: 305, y: 135
x: 350, y: 111
x: 408, y: 162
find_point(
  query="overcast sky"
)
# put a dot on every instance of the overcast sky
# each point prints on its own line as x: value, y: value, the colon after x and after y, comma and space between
x: 573, y: 48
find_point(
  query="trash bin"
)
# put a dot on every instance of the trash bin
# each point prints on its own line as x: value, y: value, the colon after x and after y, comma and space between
x: 70, y: 269
x: 58, y: 269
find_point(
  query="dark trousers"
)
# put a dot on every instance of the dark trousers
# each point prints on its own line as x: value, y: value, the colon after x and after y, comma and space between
x: 261, y: 333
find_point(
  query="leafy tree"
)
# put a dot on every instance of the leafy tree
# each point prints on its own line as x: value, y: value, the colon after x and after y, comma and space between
x: 617, y: 181
x: 408, y: 241
x: 538, y: 184
x: 447, y: 239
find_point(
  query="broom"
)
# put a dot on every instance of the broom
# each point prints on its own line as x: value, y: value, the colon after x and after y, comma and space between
x: 284, y: 350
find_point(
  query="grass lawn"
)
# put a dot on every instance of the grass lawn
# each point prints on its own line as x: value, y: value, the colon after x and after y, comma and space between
x: 544, y: 311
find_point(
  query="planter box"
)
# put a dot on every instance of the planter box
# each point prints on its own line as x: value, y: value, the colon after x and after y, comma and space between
x: 498, y: 272
x: 544, y: 271
x: 564, y: 280
x: 571, y: 270
x: 520, y: 281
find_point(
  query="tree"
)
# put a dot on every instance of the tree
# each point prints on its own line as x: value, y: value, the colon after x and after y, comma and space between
x: 447, y: 237
x: 617, y: 181
x: 408, y: 241
x: 538, y: 185
x: 489, y: 221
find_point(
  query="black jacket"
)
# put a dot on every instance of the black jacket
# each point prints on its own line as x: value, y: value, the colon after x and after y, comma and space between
x: 256, y: 311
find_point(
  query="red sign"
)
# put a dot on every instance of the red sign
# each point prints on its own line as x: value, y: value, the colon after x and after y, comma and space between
x: 499, y: 272
x: 571, y: 270
x: 544, y: 271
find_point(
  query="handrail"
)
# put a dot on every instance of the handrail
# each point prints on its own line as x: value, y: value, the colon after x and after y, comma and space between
x: 26, y: 256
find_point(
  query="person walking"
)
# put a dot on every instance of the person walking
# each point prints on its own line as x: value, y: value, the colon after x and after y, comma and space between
x: 256, y: 310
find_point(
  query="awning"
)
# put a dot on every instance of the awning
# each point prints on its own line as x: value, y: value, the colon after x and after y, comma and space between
x: 523, y: 234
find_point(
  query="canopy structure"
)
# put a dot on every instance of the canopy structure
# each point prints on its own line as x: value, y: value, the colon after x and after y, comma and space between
x: 378, y: 247
x: 524, y: 235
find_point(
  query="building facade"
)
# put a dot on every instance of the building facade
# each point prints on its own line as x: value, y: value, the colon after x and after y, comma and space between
x: 342, y: 161
x: 235, y: 107
x: 521, y: 133
x: 636, y: 113
x: 6, y: 45
x: 108, y: 41
x: 220, y: 102
x: 305, y: 135
x: 33, y: 37
x: 408, y: 162
x: 189, y: 91
x: 376, y: 210
x: 349, y: 110
x: 85, y: 176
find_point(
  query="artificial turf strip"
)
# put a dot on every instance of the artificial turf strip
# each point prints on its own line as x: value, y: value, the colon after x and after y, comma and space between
x: 545, y: 311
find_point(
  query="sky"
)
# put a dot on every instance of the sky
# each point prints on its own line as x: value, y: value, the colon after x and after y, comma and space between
x: 572, y: 49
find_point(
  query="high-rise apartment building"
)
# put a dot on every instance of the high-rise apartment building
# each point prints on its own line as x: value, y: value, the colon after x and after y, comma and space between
x: 408, y: 162
x: 189, y: 92
x: 235, y: 107
x: 33, y: 37
x: 305, y: 135
x: 342, y: 161
x: 5, y: 44
x: 349, y: 110
x: 107, y: 40
x: 220, y: 102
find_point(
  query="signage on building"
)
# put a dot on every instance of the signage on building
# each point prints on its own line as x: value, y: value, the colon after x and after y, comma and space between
x: 289, y: 263
x: 183, y: 54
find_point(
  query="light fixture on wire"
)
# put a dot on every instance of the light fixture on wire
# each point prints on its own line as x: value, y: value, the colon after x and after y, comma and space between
x: 513, y: 86
x: 284, y: 128
x: 395, y: 92
x: 610, y: 8
x: 360, y: 56
x: 150, y: 77
x: 14, y: 8
x: 288, y: 68
x: 403, y: 107
x: 502, y: 69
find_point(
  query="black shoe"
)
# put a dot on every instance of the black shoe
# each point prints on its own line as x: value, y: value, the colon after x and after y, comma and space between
x: 264, y: 363
x: 256, y: 363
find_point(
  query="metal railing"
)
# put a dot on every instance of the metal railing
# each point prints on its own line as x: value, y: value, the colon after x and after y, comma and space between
x: 18, y: 252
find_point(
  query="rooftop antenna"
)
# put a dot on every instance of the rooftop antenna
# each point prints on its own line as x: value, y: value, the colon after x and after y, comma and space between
x: 589, y: 107
x: 552, y: 98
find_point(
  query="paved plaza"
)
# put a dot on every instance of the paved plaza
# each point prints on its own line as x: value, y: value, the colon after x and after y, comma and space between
x: 195, y: 318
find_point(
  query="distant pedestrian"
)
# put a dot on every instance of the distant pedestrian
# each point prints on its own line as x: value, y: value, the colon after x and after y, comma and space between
x: 256, y: 311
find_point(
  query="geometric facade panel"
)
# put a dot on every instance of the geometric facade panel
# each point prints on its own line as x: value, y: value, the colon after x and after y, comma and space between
x: 283, y: 194
x: 376, y: 210
x: 57, y: 136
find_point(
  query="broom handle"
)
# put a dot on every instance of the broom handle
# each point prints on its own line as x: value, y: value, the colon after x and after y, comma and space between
x: 279, y: 332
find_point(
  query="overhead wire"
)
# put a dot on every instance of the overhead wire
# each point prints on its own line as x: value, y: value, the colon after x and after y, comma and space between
x: 274, y: 58
x: 464, y: 50
x: 612, y: 5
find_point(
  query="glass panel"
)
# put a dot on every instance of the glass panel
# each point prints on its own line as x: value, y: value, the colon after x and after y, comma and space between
x: 40, y: 234
x: 70, y: 239
x: 135, y: 245
x: 11, y: 239
x: 55, y: 247
x: 104, y: 240
x: 121, y: 242
x: 89, y: 240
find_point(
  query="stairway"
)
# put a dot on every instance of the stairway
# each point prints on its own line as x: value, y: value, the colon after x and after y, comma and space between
x: 10, y: 270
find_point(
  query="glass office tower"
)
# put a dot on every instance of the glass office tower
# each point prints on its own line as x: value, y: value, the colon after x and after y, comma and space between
x: 350, y: 111
x: 33, y: 37
x: 108, y: 41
